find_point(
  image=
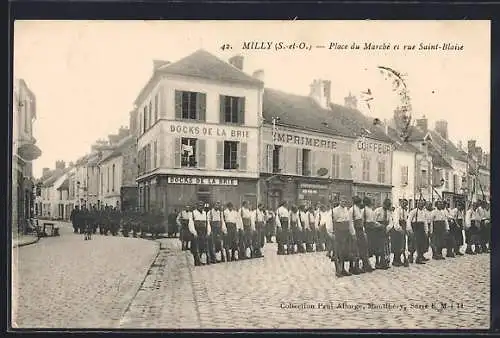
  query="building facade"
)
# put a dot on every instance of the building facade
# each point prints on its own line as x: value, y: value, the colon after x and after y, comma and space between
x: 404, y: 166
x: 24, y: 152
x: 198, y: 135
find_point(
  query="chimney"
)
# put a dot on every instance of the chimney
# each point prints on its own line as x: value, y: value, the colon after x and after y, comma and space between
x: 327, y: 92
x: 60, y: 165
x: 471, y: 146
x: 259, y: 74
x: 422, y: 124
x: 351, y: 101
x: 237, y: 61
x: 45, y: 171
x: 159, y: 63
x: 442, y: 128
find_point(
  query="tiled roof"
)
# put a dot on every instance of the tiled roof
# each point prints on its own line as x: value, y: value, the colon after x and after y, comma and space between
x: 64, y: 185
x: 415, y: 134
x: 438, y: 160
x: 400, y: 144
x: 448, y: 147
x: 54, y: 177
x: 124, y: 143
x: 302, y: 112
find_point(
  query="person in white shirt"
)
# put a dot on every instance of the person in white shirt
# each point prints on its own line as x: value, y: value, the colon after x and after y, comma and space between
x: 216, y: 218
x: 283, y: 228
x: 439, y: 229
x: 324, y: 223
x: 428, y: 212
x: 258, y: 224
x: 456, y: 220
x: 485, y: 228
x: 233, y: 224
x: 270, y: 225
x: 370, y: 226
x: 472, y: 227
x: 383, y: 215
x: 199, y: 226
x: 305, y: 232
x: 344, y: 236
x: 246, y: 232
x: 312, y: 233
x: 183, y: 221
x: 361, y: 244
x: 295, y: 227
x: 399, y: 234
x: 417, y: 220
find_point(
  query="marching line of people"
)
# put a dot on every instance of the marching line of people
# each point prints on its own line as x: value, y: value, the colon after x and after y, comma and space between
x: 350, y: 235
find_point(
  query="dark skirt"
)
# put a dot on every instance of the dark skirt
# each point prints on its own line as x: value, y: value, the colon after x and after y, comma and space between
x: 344, y: 245
x: 216, y: 235
x: 397, y: 241
x: 439, y: 235
x: 231, y: 238
x: 379, y: 241
x: 361, y: 243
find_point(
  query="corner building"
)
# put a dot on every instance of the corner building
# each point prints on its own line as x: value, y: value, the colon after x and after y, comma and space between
x: 197, y: 126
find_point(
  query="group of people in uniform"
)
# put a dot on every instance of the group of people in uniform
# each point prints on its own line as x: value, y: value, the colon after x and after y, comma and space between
x: 350, y: 233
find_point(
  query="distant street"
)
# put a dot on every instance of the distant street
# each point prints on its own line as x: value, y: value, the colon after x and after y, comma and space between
x: 68, y: 282
x: 71, y: 283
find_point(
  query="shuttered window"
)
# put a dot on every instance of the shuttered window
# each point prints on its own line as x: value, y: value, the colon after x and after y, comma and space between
x: 232, y: 109
x: 366, y: 169
x: 300, y: 169
x: 404, y: 175
x: 381, y: 172
x: 336, y: 166
x: 277, y: 159
x: 242, y: 150
x: 345, y: 166
x: 201, y: 153
x: 190, y: 105
x: 188, y: 152
x: 220, y: 155
x: 267, y: 158
x: 151, y: 114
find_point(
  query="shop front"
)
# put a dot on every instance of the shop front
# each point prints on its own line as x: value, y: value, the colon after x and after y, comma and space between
x: 453, y: 199
x: 173, y: 192
x: 377, y: 193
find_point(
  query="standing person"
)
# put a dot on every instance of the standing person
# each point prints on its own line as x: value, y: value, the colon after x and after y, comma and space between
x: 295, y: 226
x: 183, y: 223
x: 417, y: 220
x: 456, y: 220
x: 312, y: 232
x: 324, y: 221
x: 399, y: 234
x: 485, y: 229
x: 232, y: 222
x: 282, y: 228
x: 270, y: 225
x: 361, y: 245
x: 472, y: 227
x: 369, y: 225
x: 73, y: 218
x: 383, y: 215
x: 428, y: 212
x: 258, y: 223
x: 199, y: 226
x: 343, y: 233
x: 439, y: 228
x: 216, y: 219
x: 172, y: 224
x: 305, y: 236
x: 245, y: 233
x: 87, y: 223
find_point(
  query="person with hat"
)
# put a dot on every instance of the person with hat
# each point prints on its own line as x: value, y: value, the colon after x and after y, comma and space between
x: 233, y: 226
x: 219, y: 230
x: 283, y: 228
x: 472, y: 227
x: 399, y: 234
x: 258, y: 224
x: 305, y: 230
x: 384, y: 217
x: 361, y: 244
x: 439, y: 228
x: 456, y: 220
x: 183, y: 222
x: 199, y: 227
x: 343, y: 233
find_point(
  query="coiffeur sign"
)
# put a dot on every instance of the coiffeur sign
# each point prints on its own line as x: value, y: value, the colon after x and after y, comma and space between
x: 202, y: 180
x: 376, y: 147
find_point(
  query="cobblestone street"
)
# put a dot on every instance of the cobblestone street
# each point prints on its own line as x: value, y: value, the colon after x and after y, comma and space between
x: 301, y: 292
x: 66, y: 282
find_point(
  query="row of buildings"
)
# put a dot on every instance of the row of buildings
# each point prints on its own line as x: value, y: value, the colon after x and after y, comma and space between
x: 203, y: 129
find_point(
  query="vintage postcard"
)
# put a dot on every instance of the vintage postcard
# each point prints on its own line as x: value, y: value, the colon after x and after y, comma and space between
x: 251, y: 175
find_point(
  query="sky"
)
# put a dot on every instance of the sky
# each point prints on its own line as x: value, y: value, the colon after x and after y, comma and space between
x: 87, y: 74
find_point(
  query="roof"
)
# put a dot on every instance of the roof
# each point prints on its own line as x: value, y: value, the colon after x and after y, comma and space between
x: 448, y: 146
x: 57, y: 173
x: 400, y: 144
x: 64, y: 185
x: 303, y: 112
x: 122, y: 145
x: 415, y: 134
x: 204, y: 65
x: 438, y: 160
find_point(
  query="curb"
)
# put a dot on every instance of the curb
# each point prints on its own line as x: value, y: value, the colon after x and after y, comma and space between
x: 35, y: 240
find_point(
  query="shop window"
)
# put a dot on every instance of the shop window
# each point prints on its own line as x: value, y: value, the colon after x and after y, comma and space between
x: 381, y: 172
x: 232, y: 109
x: 276, y: 159
x: 230, y: 155
x: 190, y: 105
x: 366, y: 169
x: 188, y: 152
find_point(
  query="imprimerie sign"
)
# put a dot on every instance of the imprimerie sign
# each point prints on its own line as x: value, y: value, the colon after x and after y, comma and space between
x: 304, y: 140
x: 201, y: 180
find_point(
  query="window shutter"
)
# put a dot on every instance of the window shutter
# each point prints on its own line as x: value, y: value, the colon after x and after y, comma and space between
x: 241, y: 110
x: 242, y: 156
x: 222, y: 107
x: 151, y: 114
x: 299, y: 162
x: 201, y: 153
x: 220, y: 155
x: 162, y: 97
x: 177, y: 153
x: 178, y: 104
x: 264, y: 158
x: 313, y: 165
x: 345, y: 166
x: 201, y: 106
x: 269, y: 149
x: 283, y: 152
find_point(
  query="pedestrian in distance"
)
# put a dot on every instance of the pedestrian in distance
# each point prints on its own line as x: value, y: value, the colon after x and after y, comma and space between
x: 74, y: 219
x: 172, y: 224
x: 270, y: 225
x: 485, y: 229
x: 312, y: 232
